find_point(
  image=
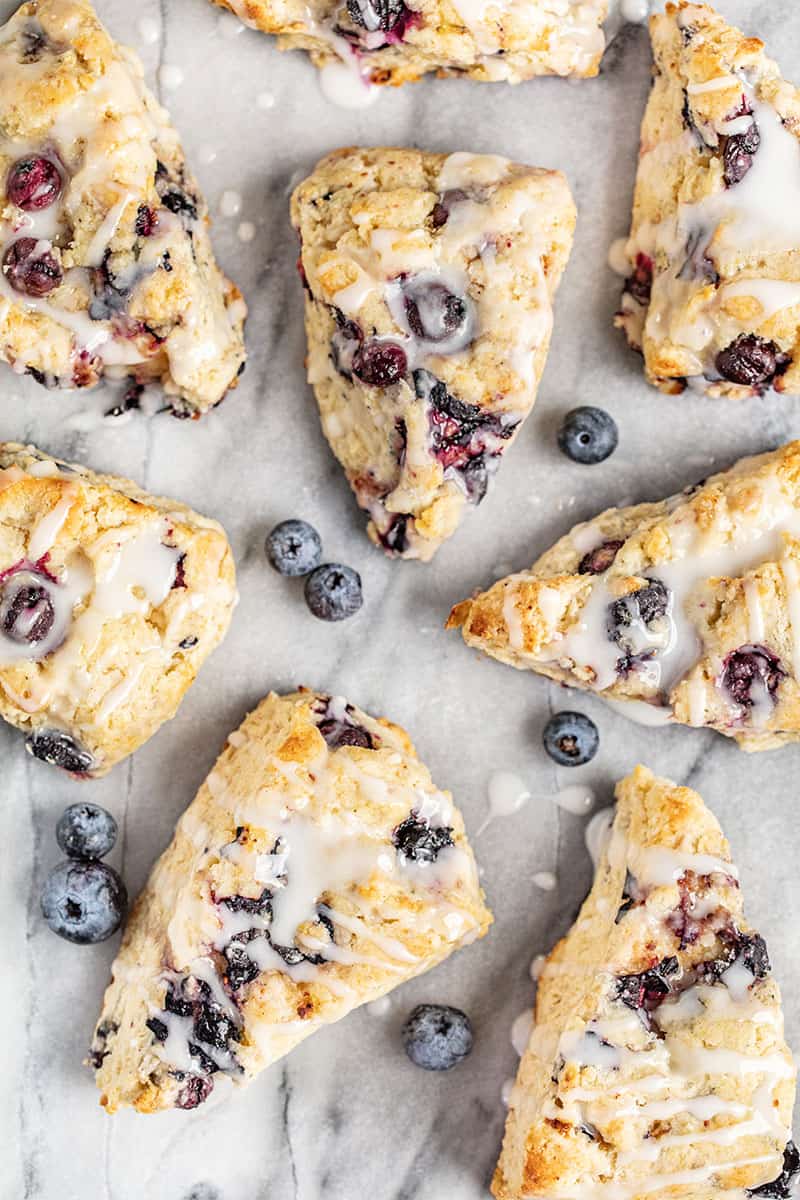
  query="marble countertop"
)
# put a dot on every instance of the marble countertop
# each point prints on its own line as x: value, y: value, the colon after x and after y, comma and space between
x: 346, y: 1116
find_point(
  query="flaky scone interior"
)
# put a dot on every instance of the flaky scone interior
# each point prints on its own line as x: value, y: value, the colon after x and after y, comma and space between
x: 657, y: 1065
x: 317, y: 868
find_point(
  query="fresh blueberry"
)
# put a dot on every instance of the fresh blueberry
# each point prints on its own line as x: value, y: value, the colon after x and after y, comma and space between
x: 420, y: 842
x: 596, y: 561
x: 747, y: 666
x: 782, y: 1187
x: 33, y: 184
x: 379, y: 364
x: 59, y: 749
x: 436, y: 1037
x: 571, y: 739
x: 588, y: 435
x: 294, y: 548
x: 30, y: 268
x: 750, y: 361
x: 27, y: 612
x: 83, y: 902
x: 333, y: 592
x: 86, y: 831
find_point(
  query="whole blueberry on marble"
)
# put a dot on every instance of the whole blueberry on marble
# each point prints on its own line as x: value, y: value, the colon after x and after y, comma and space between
x: 294, y: 548
x: 436, y: 1037
x: 86, y: 831
x: 333, y: 592
x: 84, y: 902
x: 588, y: 435
x: 571, y: 739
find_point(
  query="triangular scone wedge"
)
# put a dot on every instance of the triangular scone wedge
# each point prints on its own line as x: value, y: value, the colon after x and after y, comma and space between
x: 713, y: 295
x: 317, y: 868
x: 391, y: 42
x: 691, y: 605
x: 110, y: 602
x: 430, y: 281
x: 106, y: 263
x: 657, y: 1065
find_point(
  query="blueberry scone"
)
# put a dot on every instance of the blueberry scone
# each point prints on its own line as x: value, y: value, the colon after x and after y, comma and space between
x: 110, y: 601
x: 429, y: 288
x: 316, y: 869
x: 388, y: 41
x: 687, y: 609
x: 657, y: 1065
x: 713, y: 294
x: 106, y: 266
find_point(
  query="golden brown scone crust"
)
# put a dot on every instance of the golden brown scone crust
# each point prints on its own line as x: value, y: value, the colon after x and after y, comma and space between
x: 139, y: 292
x: 499, y: 41
x: 310, y: 796
x: 728, y: 553
x: 716, y: 170
x: 677, y: 1086
x: 143, y: 589
x: 377, y: 224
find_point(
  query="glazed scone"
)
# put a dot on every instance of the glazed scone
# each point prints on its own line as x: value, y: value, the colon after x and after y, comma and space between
x: 388, y: 41
x: 691, y: 605
x: 110, y: 602
x: 317, y: 868
x: 106, y: 263
x: 657, y: 1065
x: 713, y: 295
x: 429, y: 288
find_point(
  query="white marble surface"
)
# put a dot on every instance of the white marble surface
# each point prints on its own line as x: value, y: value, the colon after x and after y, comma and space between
x: 347, y: 1117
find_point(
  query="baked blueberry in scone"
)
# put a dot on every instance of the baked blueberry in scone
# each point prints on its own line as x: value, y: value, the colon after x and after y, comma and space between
x: 429, y: 287
x: 106, y: 266
x: 657, y: 1065
x: 690, y: 605
x: 389, y: 41
x: 110, y: 602
x: 712, y: 297
x: 317, y: 868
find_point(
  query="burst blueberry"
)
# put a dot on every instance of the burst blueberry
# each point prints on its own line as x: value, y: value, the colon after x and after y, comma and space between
x: 333, y: 592
x: 750, y: 361
x: 83, y: 902
x: 588, y: 435
x: 436, y: 1037
x: 294, y: 548
x: 86, y: 831
x: 33, y: 184
x: 31, y: 268
x: 379, y: 364
x: 571, y: 739
x: 421, y: 842
x: 27, y: 612
x: 59, y: 749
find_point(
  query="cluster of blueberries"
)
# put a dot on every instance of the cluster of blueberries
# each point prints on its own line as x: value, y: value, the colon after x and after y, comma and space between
x: 332, y: 591
x: 83, y: 899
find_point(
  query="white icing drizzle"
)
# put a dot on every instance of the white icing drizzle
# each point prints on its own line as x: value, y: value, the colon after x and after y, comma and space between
x: 598, y: 834
x: 521, y: 1030
x: 575, y: 799
x: 508, y: 793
